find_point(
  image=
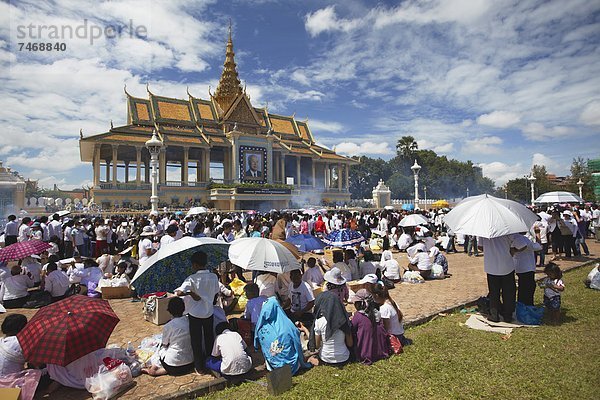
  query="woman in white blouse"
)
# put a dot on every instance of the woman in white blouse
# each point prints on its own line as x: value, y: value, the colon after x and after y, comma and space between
x: 175, y: 356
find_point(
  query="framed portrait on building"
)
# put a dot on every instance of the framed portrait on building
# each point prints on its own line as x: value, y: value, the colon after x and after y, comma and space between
x: 253, y: 164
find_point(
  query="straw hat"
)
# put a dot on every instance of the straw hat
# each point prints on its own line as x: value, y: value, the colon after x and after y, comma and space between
x: 148, y: 231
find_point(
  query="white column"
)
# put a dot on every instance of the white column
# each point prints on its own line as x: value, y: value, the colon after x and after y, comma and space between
x: 326, y: 176
x: 347, y: 168
x: 283, y: 168
x: 162, y: 159
x: 339, y: 174
x: 138, y: 166
x: 298, y: 159
x: 97, y: 166
x: 184, y: 165
x: 115, y: 149
x: 314, y: 173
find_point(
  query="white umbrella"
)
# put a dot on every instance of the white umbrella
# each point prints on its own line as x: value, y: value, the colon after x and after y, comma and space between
x: 262, y: 254
x: 389, y: 208
x: 196, y: 211
x: 413, y: 220
x: 558, y: 197
x: 488, y: 216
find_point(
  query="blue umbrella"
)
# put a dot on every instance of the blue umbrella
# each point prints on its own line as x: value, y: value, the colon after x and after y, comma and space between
x: 343, y: 237
x: 408, y: 206
x: 306, y: 243
x: 169, y: 266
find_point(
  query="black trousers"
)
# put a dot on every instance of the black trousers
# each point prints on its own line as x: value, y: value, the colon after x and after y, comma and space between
x: 569, y: 245
x: 502, y: 286
x: 201, y: 333
x: 526, y: 287
x: 557, y: 242
x: 8, y: 240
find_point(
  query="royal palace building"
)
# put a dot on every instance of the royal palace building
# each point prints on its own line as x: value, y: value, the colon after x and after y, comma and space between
x: 221, y: 151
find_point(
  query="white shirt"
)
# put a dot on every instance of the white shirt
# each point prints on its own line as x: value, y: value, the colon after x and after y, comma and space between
x: 206, y: 285
x: 55, y: 229
x: 90, y: 274
x: 404, y: 241
x: 231, y: 348
x: 421, y: 260
x: 366, y: 268
x: 497, y: 259
x: 525, y: 260
x: 11, y: 228
x: 35, y: 268
x: 101, y: 232
x: 56, y: 283
x: 144, y: 245
x: 24, y: 233
x: 313, y: 276
x: 166, y: 240
x: 345, y: 269
x: 334, y: 349
x: 300, y: 296
x: 67, y: 234
x: 16, y: 286
x: 388, y: 311
x: 391, y: 269
x: 176, y: 349
x: 12, y: 360
x: 266, y: 285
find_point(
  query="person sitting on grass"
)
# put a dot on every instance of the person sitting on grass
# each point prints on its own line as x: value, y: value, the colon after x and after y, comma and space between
x: 175, y: 354
x: 370, y: 338
x: 331, y: 333
x: 12, y: 360
x: 278, y: 338
x: 390, y: 314
x: 553, y: 287
x: 228, y: 356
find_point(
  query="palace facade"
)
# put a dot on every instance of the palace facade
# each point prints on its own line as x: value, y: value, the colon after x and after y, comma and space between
x: 222, y: 151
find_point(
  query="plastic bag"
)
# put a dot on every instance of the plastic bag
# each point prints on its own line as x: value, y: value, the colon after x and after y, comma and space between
x: 107, y: 383
x: 237, y: 286
x: 412, y: 277
x: 529, y: 315
x: 241, y: 304
x: 437, y: 271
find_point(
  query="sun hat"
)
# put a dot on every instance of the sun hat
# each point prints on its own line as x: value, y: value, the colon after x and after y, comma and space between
x: 148, y: 231
x: 369, y: 278
x: 334, y: 275
x: 360, y: 295
x: 567, y: 212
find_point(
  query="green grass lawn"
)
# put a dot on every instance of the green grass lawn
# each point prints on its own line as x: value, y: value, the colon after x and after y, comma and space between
x: 449, y: 360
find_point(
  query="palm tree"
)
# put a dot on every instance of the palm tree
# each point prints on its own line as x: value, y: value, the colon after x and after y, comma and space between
x: 406, y: 146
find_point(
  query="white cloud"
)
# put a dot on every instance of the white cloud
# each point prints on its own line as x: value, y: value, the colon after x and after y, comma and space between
x: 591, y: 113
x: 484, y: 145
x: 499, y: 119
x: 325, y: 19
x: 501, y: 172
x: 364, y: 148
x: 550, y: 164
x: 538, y: 132
x: 325, y: 126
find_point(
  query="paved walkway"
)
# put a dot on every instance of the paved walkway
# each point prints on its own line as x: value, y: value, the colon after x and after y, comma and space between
x: 417, y: 301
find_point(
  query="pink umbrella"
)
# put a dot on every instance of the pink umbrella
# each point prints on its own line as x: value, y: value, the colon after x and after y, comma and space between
x: 21, y: 250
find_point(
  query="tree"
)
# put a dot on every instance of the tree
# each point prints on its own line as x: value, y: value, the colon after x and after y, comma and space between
x: 365, y: 176
x: 580, y: 170
x: 406, y: 146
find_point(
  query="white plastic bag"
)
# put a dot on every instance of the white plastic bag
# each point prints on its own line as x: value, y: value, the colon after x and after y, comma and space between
x: 437, y: 271
x: 106, y: 384
x: 412, y: 277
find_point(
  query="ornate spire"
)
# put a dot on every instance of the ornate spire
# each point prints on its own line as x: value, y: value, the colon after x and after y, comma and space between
x: 229, y: 87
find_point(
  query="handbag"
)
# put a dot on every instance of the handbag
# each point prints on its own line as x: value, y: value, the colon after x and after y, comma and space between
x: 387, y: 282
x: 395, y: 344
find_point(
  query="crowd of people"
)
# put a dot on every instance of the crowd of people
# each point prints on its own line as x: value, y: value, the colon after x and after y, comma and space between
x: 299, y: 318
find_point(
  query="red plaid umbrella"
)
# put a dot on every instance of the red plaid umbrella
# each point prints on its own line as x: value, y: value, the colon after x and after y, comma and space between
x: 21, y: 250
x: 67, y: 330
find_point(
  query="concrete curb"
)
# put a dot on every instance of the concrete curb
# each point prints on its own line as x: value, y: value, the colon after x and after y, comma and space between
x: 222, y: 383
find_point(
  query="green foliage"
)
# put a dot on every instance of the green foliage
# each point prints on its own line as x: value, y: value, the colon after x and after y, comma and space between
x: 443, y: 177
x: 451, y: 361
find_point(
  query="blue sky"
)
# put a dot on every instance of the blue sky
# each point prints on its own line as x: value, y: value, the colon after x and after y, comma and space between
x: 505, y: 84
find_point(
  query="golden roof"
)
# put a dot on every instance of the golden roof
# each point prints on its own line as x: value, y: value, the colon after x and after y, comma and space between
x: 282, y: 124
x: 174, y: 111
x: 229, y: 87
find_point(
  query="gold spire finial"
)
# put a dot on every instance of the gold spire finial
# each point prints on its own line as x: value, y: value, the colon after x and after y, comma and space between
x: 229, y: 87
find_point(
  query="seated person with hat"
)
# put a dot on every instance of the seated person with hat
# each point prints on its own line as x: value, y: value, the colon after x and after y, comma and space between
x: 336, y: 283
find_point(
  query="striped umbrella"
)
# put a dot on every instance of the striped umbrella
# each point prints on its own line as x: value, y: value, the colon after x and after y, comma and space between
x: 20, y: 250
x: 343, y: 237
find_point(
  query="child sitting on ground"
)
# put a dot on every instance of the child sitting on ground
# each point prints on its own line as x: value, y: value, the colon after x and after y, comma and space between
x: 553, y: 287
x: 229, y: 355
x: 302, y: 299
x: 313, y: 275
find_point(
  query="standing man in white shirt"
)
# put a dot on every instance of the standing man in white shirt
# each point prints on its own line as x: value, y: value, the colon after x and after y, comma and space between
x: 11, y: 230
x: 499, y: 266
x: 169, y: 236
x: 200, y: 290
